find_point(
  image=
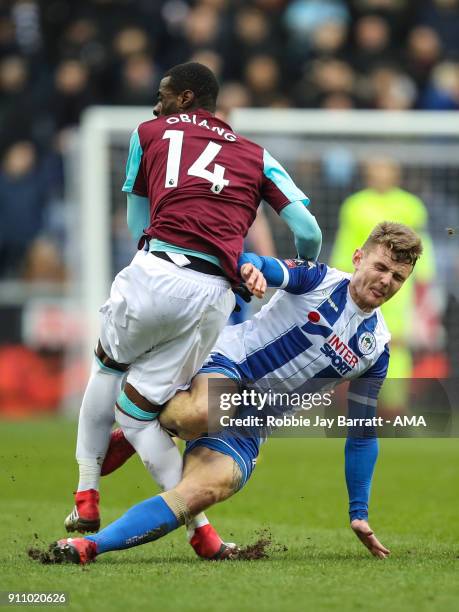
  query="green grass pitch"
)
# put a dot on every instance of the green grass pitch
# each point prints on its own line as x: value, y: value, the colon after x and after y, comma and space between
x: 297, y: 492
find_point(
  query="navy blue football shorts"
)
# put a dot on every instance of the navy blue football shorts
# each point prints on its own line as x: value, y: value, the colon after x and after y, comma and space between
x: 244, y: 449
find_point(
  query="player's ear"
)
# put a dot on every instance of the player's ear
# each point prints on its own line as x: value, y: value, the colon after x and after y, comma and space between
x: 357, y: 258
x: 186, y: 99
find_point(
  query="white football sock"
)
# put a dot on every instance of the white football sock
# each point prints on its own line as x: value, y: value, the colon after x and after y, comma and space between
x: 197, y: 521
x: 155, y: 447
x: 160, y: 456
x: 95, y: 423
x: 89, y: 474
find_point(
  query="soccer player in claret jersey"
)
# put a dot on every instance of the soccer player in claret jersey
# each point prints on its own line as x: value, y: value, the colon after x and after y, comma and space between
x: 325, y: 327
x: 193, y: 187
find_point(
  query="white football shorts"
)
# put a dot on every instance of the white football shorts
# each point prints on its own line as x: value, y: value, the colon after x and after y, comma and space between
x: 163, y: 320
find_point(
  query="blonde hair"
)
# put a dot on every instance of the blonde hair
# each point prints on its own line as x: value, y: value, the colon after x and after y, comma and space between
x: 404, y: 243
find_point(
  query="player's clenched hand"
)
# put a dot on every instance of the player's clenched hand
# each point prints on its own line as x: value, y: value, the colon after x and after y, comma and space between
x: 254, y: 279
x: 365, y: 534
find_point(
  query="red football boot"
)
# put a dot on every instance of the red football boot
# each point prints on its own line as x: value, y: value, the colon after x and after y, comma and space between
x: 118, y: 452
x: 74, y: 550
x: 85, y: 515
x: 207, y: 544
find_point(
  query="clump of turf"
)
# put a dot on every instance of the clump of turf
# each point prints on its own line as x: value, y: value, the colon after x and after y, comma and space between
x: 43, y: 556
x: 260, y: 548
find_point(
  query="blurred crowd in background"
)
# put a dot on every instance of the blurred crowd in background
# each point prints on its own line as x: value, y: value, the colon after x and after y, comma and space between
x: 58, y: 57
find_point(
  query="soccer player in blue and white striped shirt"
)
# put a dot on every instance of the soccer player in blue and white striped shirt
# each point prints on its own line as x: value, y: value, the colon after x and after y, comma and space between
x: 323, y: 327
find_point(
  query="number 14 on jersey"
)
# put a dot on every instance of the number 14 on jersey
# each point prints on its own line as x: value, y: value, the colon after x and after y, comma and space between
x: 199, y: 168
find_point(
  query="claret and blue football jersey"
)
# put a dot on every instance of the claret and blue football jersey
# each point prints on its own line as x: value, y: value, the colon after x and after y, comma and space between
x: 204, y: 183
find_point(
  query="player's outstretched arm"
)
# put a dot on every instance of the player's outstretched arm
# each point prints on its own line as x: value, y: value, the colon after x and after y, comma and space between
x: 363, y: 531
x: 361, y: 450
x: 294, y: 275
x: 279, y: 188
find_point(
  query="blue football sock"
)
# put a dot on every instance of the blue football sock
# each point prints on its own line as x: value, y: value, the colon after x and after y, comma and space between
x: 144, y: 522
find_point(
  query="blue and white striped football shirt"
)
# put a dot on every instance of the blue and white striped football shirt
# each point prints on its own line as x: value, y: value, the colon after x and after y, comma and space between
x: 310, y: 329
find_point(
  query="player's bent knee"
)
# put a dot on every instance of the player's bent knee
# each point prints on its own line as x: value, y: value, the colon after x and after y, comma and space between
x: 226, y: 487
x: 210, y: 495
x: 208, y: 477
x: 200, y: 498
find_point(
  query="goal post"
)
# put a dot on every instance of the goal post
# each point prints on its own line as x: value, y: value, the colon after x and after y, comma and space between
x: 316, y: 147
x: 346, y: 122
x: 98, y: 127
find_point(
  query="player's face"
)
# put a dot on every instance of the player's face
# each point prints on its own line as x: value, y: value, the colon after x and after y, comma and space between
x: 168, y: 101
x: 377, y: 277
